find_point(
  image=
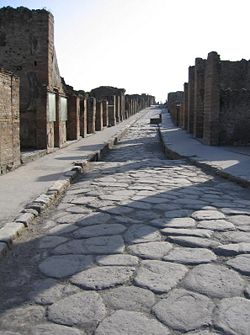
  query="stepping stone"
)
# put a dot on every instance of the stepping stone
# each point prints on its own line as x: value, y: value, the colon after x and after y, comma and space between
x: 51, y: 242
x: 159, y: 277
x: 49, y: 329
x: 235, y: 211
x: 217, y: 225
x: 240, y: 220
x: 140, y: 233
x: 233, y: 249
x: 207, y: 215
x: 120, y: 259
x: 241, y: 263
x: 95, y: 245
x: 190, y: 256
x: 99, y: 278
x: 150, y: 250
x: 85, y: 309
x: 190, y: 241
x: 187, y: 232
x: 100, y: 230
x: 215, y: 281
x: 129, y: 298
x: 127, y: 322
x: 48, y: 291
x: 65, y: 265
x: 233, y: 316
x: 184, y: 310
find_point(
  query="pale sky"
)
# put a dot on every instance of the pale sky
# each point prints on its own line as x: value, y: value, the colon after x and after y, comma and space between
x: 144, y: 46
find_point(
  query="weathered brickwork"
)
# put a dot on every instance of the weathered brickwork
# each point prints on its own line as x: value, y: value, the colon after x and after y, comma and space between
x: 217, y: 105
x: 27, y: 49
x: 175, y: 100
x: 9, y: 122
x: 50, y: 111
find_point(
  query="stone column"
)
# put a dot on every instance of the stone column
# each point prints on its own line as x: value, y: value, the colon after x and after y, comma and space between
x: 117, y: 108
x: 185, y: 107
x: 212, y: 100
x: 60, y: 125
x: 91, y: 115
x: 99, y: 116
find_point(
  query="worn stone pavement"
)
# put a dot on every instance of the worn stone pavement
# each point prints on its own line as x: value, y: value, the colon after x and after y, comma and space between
x: 139, y: 245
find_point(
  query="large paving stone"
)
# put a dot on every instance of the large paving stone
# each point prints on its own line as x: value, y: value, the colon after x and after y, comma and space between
x: 84, y: 309
x: 233, y: 249
x: 190, y: 256
x: 94, y: 219
x: 19, y: 317
x: 150, y: 250
x: 70, y: 218
x: 184, y: 310
x: 202, y: 332
x: 241, y: 263
x: 51, y: 241
x: 175, y: 223
x: 235, y: 211
x: 48, y: 291
x: 119, y: 259
x: 95, y: 245
x: 53, y: 329
x: 127, y: 322
x: 100, y: 230
x: 82, y: 200
x: 6, y: 332
x: 216, y: 225
x: 192, y: 241
x: 102, y: 277
x: 64, y: 266
x: 235, y: 237
x: 178, y: 213
x: 215, y: 281
x: 240, y: 220
x: 159, y: 276
x: 233, y: 316
x: 140, y: 233
x: 208, y: 215
x: 62, y: 229
x: 187, y: 232
x: 129, y: 298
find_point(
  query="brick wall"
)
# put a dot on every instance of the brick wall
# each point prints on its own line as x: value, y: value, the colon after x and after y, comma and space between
x: 27, y: 49
x: 9, y: 122
x: 175, y: 100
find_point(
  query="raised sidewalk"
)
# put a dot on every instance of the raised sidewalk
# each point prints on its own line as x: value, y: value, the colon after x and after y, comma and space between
x: 227, y: 161
x: 37, y: 183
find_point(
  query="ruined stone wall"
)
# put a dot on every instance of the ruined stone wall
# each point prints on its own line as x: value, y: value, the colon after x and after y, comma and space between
x: 185, y: 107
x: 199, y: 83
x: 27, y: 49
x: 234, y: 117
x: 235, y: 75
x: 9, y: 122
x: 175, y: 99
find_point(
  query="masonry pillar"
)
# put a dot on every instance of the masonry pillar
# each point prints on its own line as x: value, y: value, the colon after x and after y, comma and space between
x: 112, y: 110
x: 60, y: 123
x: 91, y: 115
x: 105, y: 112
x: 185, y: 107
x: 190, y: 99
x: 99, y: 116
x: 199, y: 77
x: 212, y: 100
x: 117, y: 108
x: 122, y: 100
x: 83, y: 116
x: 73, y: 123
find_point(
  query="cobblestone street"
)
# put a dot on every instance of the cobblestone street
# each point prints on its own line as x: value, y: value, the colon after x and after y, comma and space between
x: 139, y: 245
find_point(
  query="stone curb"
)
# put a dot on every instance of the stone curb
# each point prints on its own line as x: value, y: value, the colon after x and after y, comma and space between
x: 206, y: 167
x: 11, y: 230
